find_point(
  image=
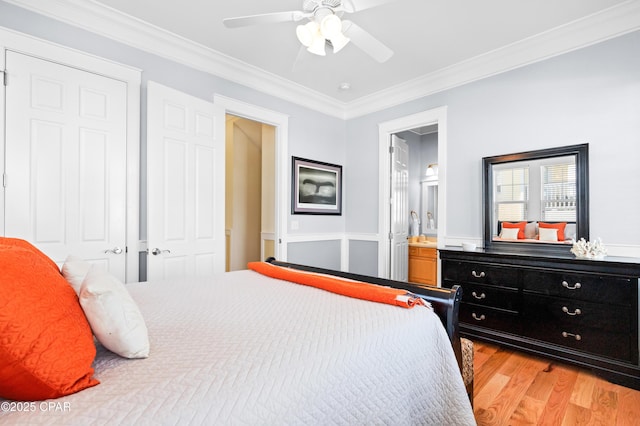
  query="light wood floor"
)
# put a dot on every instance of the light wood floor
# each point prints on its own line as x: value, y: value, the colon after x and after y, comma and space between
x: 512, y: 388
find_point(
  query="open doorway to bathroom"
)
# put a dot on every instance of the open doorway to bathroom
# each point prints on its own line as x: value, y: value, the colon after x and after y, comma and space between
x: 434, y: 117
x: 423, y: 179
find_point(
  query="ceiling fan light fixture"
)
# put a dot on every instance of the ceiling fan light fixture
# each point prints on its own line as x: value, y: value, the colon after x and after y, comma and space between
x: 330, y: 26
x: 339, y: 41
x: 307, y: 33
x: 317, y: 45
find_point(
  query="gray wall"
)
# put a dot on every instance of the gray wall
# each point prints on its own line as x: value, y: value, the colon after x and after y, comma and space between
x: 363, y: 257
x: 324, y: 254
x: 590, y: 96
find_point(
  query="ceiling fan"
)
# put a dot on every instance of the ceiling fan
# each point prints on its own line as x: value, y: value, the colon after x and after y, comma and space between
x: 324, y: 26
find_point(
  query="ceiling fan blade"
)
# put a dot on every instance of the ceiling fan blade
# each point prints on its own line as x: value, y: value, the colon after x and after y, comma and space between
x: 351, y: 6
x: 366, y: 42
x: 266, y: 18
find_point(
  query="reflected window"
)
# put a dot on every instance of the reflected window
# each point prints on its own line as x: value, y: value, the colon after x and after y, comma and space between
x: 559, y: 195
x: 512, y: 194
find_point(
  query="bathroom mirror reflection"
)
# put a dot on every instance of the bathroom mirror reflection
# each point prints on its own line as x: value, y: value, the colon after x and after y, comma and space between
x: 429, y: 208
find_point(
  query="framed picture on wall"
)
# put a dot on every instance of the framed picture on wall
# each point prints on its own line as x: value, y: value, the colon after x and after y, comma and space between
x: 316, y: 187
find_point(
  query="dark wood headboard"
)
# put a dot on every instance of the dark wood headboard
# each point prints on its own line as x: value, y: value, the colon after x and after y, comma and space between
x: 445, y: 301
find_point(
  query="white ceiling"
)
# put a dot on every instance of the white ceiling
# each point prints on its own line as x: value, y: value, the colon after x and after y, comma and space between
x: 437, y: 43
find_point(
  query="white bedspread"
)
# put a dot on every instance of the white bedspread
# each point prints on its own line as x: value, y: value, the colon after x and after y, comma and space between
x: 242, y: 348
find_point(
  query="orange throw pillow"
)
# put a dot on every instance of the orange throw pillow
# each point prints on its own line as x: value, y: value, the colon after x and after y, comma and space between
x: 46, y: 344
x: 17, y: 242
x: 559, y: 226
x: 519, y: 225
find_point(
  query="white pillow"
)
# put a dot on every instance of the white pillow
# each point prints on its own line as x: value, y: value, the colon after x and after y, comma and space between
x: 510, y: 233
x: 74, y: 270
x: 548, y: 234
x: 114, y: 317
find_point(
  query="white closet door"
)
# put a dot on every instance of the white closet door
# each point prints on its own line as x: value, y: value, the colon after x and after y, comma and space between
x: 66, y: 161
x: 185, y: 185
x: 399, y: 209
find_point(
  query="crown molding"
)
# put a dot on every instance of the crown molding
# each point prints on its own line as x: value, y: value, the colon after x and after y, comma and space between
x: 105, y: 21
x: 598, y: 27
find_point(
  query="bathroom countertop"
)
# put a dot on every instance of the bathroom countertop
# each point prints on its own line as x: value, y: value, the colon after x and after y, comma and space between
x: 425, y: 244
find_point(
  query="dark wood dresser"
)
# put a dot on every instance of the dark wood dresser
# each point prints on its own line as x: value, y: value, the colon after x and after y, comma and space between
x: 583, y: 312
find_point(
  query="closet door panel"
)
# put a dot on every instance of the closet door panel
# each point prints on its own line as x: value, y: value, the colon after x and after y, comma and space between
x: 66, y: 161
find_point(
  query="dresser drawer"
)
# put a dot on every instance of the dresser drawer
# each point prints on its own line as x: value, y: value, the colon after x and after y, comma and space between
x: 490, y: 296
x: 495, y: 319
x: 472, y: 272
x: 584, y: 339
x: 580, y: 286
x: 574, y: 314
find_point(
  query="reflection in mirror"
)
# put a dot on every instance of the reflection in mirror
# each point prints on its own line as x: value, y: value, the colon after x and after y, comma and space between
x: 537, y: 199
x: 429, y: 198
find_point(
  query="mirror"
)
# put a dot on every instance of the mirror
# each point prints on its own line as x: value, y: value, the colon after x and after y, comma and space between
x: 429, y: 207
x: 536, y: 200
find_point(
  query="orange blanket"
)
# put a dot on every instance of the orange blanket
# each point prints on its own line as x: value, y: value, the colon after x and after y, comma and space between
x: 356, y: 289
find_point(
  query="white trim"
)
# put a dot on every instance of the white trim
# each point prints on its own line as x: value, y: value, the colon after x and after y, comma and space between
x: 103, y: 20
x: 281, y: 123
x: 264, y: 237
x: 362, y: 237
x: 306, y: 238
x: 43, y: 49
x: 385, y: 130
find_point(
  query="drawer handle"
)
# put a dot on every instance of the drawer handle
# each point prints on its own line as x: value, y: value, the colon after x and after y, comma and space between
x: 482, y: 295
x: 566, y: 311
x: 478, y: 275
x: 575, y: 287
x: 575, y: 336
x: 478, y: 318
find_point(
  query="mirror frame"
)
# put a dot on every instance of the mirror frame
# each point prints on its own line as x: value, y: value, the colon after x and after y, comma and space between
x: 581, y: 153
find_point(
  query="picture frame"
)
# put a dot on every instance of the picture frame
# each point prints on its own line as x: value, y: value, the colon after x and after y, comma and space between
x: 316, y: 187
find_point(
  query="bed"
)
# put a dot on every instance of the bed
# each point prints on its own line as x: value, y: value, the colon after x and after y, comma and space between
x: 245, y: 348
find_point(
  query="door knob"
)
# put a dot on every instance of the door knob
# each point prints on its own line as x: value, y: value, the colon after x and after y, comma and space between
x: 156, y: 251
x: 115, y: 250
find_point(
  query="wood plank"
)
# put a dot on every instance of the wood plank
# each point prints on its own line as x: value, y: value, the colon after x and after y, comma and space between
x: 522, y: 372
x: 628, y: 407
x: 582, y: 394
x: 513, y: 388
x: 560, y: 394
x: 542, y: 385
x: 604, y: 407
x: 489, y: 368
x: 576, y: 415
x: 484, y: 399
x: 528, y: 412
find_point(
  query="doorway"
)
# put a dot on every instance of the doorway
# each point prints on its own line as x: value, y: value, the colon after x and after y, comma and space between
x: 249, y: 191
x: 274, y: 242
x: 437, y: 116
x: 423, y: 180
